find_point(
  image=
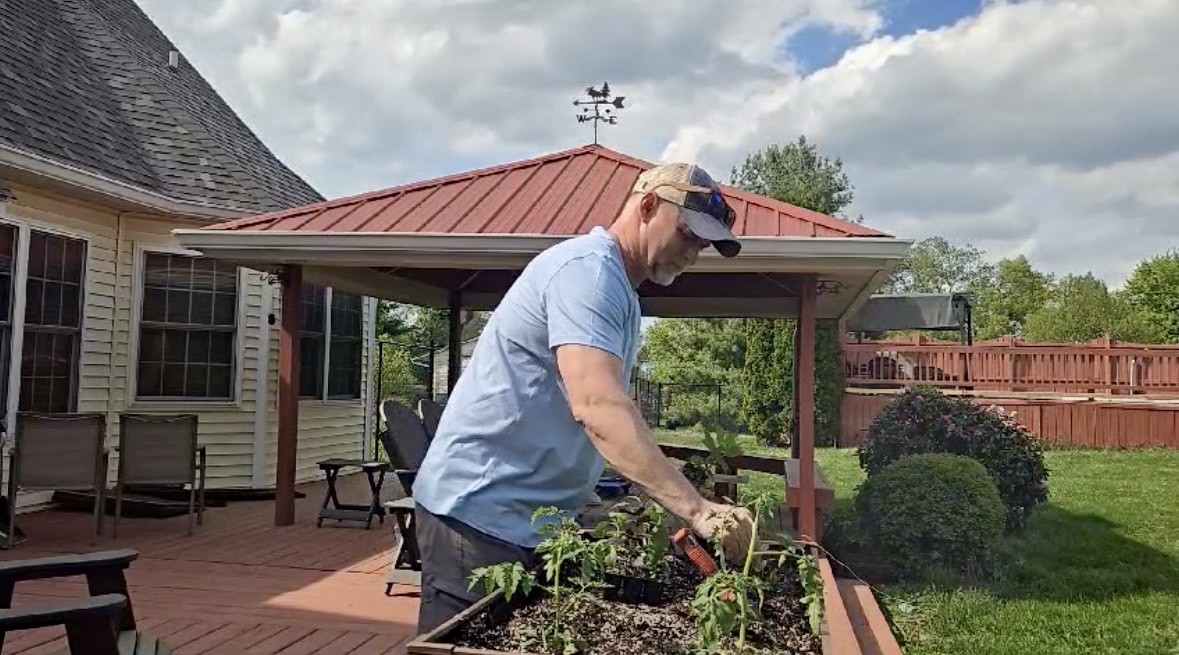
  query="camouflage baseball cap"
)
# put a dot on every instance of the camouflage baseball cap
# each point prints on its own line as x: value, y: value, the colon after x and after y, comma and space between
x: 706, y: 213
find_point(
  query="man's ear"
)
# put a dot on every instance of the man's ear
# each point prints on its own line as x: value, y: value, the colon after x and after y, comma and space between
x: 648, y: 206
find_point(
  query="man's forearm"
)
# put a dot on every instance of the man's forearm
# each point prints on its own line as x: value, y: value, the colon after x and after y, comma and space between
x: 622, y: 436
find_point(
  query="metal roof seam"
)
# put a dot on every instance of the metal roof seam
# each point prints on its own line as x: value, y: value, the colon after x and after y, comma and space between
x: 565, y: 201
x: 495, y: 214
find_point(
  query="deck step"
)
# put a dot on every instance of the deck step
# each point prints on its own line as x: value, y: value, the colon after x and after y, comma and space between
x: 872, y: 630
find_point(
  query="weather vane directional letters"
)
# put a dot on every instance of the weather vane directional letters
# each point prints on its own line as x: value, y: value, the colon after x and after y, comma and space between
x: 600, y: 103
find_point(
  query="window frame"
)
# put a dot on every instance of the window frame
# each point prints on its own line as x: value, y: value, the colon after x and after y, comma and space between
x: 359, y: 339
x: 20, y: 276
x: 138, y: 279
x: 6, y: 385
x: 75, y: 380
x: 323, y: 398
x: 324, y: 337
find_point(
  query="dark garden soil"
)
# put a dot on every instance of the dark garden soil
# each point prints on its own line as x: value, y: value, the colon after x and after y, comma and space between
x: 621, y: 628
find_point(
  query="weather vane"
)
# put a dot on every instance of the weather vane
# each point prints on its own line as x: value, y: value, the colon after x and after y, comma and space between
x: 598, y: 100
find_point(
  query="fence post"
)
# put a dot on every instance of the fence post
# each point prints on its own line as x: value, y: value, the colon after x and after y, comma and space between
x: 1107, y: 343
x: 659, y: 404
x: 1011, y: 363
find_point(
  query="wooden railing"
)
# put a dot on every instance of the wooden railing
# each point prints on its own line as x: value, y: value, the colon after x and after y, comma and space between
x: 1100, y: 367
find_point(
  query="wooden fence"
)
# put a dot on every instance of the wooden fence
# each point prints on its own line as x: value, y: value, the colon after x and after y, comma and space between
x: 1101, y: 367
x: 1060, y: 421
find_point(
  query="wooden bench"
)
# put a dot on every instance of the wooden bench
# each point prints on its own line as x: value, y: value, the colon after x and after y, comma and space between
x: 102, y: 624
x: 824, y: 496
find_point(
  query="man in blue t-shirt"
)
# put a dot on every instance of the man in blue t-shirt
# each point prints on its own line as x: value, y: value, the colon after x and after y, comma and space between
x: 544, y: 401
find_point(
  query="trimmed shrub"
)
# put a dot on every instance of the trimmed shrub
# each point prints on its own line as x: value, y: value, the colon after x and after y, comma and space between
x: 932, y: 512
x: 924, y: 420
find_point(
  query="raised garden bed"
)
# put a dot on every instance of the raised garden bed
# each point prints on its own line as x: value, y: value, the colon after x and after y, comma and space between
x: 774, y: 601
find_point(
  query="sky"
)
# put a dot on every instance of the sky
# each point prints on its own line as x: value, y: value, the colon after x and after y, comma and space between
x: 1038, y: 127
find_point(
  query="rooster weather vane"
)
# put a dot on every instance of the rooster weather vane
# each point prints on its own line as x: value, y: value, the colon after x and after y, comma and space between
x: 601, y: 104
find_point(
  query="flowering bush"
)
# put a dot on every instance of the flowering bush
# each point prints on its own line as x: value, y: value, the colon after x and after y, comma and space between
x: 924, y: 420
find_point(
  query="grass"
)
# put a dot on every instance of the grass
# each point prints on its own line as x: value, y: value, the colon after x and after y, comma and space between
x: 1097, y: 569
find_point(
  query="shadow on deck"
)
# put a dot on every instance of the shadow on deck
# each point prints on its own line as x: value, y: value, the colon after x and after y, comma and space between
x: 238, y: 584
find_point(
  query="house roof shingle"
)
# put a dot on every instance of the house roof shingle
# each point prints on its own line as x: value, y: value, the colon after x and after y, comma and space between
x: 88, y: 83
x: 561, y: 194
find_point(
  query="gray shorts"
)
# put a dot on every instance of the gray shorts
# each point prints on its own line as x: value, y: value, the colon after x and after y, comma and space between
x: 450, y: 550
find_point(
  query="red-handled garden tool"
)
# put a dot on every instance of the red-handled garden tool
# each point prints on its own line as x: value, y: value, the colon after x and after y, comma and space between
x: 698, y: 555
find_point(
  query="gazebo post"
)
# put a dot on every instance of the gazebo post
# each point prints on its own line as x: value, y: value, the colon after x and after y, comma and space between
x: 805, y: 384
x: 288, y: 394
x: 454, y: 351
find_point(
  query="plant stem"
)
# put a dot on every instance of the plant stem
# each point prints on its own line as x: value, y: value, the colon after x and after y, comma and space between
x: 744, y: 599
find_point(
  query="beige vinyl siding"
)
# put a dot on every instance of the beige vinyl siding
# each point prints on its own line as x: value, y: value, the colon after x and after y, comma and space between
x: 115, y: 247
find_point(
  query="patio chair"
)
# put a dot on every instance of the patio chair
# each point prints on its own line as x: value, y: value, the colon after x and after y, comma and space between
x: 58, y: 452
x: 431, y: 414
x: 101, y: 624
x: 405, y: 441
x: 161, y: 449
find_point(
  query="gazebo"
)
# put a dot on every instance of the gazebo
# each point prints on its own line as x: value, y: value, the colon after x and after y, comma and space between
x: 459, y: 242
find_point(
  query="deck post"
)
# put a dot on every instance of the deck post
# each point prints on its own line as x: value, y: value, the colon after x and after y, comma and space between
x: 805, y: 384
x: 288, y: 394
x: 454, y: 365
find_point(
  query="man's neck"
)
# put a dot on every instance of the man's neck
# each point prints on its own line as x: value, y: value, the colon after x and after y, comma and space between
x: 630, y: 245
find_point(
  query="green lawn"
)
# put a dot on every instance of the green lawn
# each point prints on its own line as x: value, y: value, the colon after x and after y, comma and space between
x: 1097, y: 570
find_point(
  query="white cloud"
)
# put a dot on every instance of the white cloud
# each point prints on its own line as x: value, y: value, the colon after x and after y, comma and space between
x: 1043, y: 127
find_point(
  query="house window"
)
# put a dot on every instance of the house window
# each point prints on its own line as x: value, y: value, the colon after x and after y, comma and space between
x: 187, y: 328
x: 312, y: 337
x: 53, y: 322
x: 347, y: 334
x: 8, y: 239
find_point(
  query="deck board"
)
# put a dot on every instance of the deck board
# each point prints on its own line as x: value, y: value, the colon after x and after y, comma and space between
x: 239, y: 585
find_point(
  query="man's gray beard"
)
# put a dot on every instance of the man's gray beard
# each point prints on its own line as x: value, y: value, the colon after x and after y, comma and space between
x: 664, y: 278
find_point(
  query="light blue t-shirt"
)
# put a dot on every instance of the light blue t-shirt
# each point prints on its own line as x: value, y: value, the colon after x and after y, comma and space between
x: 507, y: 442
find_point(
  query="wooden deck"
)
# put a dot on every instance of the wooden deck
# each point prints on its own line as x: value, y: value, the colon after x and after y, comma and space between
x: 239, y: 584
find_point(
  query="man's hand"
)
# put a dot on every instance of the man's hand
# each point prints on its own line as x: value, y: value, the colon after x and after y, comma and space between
x: 735, y: 523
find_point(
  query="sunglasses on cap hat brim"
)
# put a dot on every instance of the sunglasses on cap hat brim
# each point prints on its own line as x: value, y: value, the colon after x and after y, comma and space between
x: 708, y: 216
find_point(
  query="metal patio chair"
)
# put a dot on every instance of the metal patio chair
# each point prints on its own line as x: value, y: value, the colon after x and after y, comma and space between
x: 58, y: 452
x: 161, y: 449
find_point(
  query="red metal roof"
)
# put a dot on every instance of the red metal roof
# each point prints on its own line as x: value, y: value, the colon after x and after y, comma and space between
x: 565, y: 193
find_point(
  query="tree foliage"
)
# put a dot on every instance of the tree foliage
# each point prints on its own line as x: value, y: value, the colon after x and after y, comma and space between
x: 766, y: 390
x: 1082, y: 308
x: 829, y: 382
x: 1153, y: 289
x: 798, y: 174
x: 413, y: 334
x: 935, y: 265
x: 1019, y: 290
x: 691, y: 357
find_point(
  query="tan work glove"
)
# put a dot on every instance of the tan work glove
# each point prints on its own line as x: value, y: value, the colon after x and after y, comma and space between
x: 737, y: 523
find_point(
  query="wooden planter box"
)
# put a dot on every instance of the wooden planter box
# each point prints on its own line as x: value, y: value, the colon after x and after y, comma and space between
x: 836, y: 634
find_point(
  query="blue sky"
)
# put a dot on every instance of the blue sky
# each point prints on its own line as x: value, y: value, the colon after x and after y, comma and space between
x: 817, y: 47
